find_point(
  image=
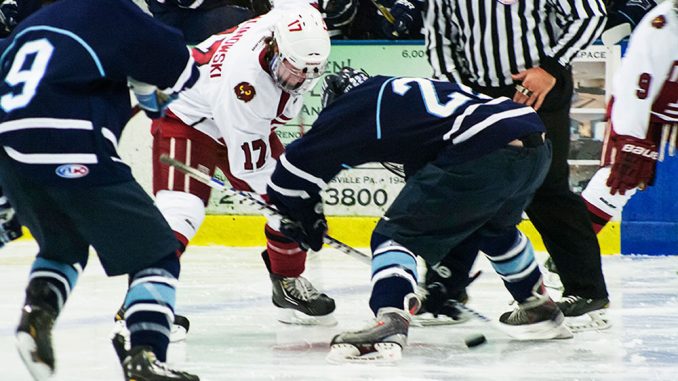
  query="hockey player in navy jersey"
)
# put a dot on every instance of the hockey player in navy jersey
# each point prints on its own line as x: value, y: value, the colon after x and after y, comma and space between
x: 64, y: 101
x: 473, y: 163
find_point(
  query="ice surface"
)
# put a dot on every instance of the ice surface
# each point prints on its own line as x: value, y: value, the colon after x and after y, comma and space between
x: 225, y: 292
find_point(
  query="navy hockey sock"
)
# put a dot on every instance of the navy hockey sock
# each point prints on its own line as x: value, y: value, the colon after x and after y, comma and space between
x: 512, y: 257
x: 149, y: 305
x: 394, y: 274
x: 51, y: 282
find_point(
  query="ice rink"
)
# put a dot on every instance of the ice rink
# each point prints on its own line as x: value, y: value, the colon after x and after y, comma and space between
x: 225, y: 292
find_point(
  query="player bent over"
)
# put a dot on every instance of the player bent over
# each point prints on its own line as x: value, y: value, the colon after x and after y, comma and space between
x: 64, y: 103
x: 474, y: 162
x: 253, y: 79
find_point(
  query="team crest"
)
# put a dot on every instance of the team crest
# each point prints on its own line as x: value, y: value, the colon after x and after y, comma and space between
x: 244, y: 91
x: 659, y: 22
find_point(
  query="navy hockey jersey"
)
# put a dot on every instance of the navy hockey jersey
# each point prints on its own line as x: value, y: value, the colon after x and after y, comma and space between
x: 401, y: 120
x: 64, y: 99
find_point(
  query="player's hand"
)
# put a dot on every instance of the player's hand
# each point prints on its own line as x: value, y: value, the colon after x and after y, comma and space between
x: 10, y: 228
x: 151, y: 100
x: 303, y: 218
x: 8, y: 16
x: 535, y: 85
x: 406, y: 17
x: 336, y: 85
x: 633, y: 165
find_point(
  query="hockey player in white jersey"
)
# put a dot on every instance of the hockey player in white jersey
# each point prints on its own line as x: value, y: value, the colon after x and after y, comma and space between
x: 253, y: 79
x: 643, y: 115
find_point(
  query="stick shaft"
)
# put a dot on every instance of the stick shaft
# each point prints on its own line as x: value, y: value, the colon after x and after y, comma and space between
x: 263, y: 207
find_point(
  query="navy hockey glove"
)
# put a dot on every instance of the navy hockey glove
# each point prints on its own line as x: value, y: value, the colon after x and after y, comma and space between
x: 151, y: 100
x: 634, y: 164
x: 622, y: 18
x: 304, y: 220
x: 338, y: 15
x: 407, y: 19
x: 8, y: 16
x: 10, y: 228
x: 336, y: 85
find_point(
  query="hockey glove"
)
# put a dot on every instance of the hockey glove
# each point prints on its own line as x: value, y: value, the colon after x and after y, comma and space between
x: 633, y: 165
x: 407, y: 19
x: 8, y: 16
x: 336, y: 85
x: 151, y: 100
x: 303, y: 221
x: 338, y: 14
x: 10, y: 228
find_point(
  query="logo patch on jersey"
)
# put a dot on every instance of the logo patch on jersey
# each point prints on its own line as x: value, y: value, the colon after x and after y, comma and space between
x: 659, y: 22
x: 72, y: 171
x: 244, y: 91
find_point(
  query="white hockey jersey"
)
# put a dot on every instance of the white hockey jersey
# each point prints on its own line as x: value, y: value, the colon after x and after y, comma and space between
x: 236, y: 101
x: 645, y: 88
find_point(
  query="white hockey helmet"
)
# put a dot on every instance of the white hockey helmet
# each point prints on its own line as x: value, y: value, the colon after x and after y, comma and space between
x: 303, y: 47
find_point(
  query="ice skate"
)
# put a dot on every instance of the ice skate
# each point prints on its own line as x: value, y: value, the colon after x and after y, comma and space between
x: 583, y: 314
x: 381, y: 341
x: 142, y: 365
x: 538, y: 318
x: 300, y: 303
x: 437, y: 308
x: 34, y: 340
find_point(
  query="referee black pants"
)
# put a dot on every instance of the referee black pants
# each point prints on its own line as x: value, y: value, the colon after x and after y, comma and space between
x: 557, y: 213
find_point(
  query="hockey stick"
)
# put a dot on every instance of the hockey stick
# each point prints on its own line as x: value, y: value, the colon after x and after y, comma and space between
x: 261, y: 206
x: 387, y: 15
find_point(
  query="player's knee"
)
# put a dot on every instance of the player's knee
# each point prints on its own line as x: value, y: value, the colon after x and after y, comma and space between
x: 183, y: 211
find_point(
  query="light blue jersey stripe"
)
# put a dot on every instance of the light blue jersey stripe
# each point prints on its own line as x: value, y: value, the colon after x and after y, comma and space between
x: 391, y: 258
x: 378, y: 118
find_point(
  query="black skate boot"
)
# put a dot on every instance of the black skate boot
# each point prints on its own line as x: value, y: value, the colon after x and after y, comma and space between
x: 142, y: 365
x: 381, y: 341
x: 592, y: 312
x: 34, y: 333
x: 538, y: 318
x: 298, y: 301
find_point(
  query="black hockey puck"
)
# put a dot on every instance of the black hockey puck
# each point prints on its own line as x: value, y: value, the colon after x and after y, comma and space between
x: 475, y: 340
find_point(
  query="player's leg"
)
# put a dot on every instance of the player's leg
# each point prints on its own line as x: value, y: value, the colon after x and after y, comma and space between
x: 139, y: 242
x: 512, y: 255
x: 297, y: 300
x: 393, y: 302
x: 602, y: 205
x: 54, y: 273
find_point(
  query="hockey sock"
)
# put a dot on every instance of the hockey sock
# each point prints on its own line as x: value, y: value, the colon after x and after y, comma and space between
x: 285, y: 256
x: 394, y: 273
x: 512, y: 257
x: 51, y: 282
x: 149, y: 305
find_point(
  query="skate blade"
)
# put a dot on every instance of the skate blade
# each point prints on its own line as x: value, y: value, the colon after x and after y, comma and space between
x: 27, y: 350
x: 545, y: 330
x: 592, y: 321
x: 348, y: 353
x: 428, y: 320
x: 290, y: 316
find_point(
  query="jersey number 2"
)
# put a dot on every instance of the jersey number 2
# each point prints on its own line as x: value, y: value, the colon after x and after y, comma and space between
x: 428, y: 94
x: 41, y: 51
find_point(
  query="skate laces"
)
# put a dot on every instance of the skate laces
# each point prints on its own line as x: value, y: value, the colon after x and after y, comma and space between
x: 300, y: 288
x: 571, y: 299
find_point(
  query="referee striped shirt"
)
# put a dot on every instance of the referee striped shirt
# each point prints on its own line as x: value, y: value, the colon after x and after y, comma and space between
x: 485, y: 41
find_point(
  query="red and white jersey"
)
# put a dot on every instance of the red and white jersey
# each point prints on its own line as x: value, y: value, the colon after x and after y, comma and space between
x: 645, y: 88
x: 236, y: 102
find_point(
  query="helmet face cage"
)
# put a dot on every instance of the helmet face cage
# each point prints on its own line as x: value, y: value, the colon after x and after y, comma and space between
x: 302, y: 47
